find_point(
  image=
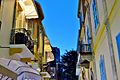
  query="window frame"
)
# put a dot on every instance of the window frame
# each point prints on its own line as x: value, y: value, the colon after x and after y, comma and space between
x: 95, y: 15
x: 118, y: 44
x: 102, y: 68
x: 88, y: 34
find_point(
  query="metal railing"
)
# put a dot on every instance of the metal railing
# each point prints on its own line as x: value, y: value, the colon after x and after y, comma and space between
x: 85, y: 48
x: 22, y: 36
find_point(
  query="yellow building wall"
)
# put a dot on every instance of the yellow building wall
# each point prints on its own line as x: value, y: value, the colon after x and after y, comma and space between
x: 115, y: 29
x: 101, y: 46
x: 103, y: 49
x: 6, y: 26
x: 110, y: 4
x: 100, y: 11
x: 100, y: 39
x: 92, y: 23
x: 41, y: 44
x: 21, y: 21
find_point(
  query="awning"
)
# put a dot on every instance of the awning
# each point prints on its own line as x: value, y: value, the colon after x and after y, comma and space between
x: 17, y: 70
x: 29, y: 7
x: 25, y: 54
x: 6, y: 72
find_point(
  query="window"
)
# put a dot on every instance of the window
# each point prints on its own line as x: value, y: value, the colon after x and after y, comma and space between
x: 95, y: 14
x: 118, y: 44
x: 88, y: 34
x: 102, y: 68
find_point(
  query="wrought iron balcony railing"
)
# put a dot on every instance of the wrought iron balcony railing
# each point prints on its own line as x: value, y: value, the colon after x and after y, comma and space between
x: 22, y: 36
x: 85, y: 53
x: 85, y: 48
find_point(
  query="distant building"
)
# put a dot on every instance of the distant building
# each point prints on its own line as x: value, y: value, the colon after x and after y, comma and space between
x: 56, y: 52
x: 54, y: 66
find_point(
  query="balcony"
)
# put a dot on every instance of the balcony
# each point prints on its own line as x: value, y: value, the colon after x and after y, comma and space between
x: 85, y: 63
x: 85, y: 49
x: 22, y: 36
x: 86, y: 52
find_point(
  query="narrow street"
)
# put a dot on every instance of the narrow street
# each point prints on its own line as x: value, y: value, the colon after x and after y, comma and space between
x: 59, y: 40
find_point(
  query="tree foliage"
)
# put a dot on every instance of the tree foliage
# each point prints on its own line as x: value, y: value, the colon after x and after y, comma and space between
x: 68, y: 62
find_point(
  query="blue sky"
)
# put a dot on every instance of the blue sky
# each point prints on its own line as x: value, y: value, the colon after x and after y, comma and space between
x: 61, y: 23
